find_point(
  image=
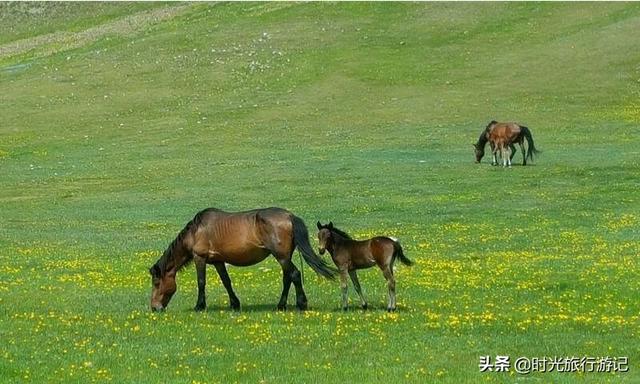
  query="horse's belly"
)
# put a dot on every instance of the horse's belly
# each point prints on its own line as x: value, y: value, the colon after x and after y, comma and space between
x: 241, y: 259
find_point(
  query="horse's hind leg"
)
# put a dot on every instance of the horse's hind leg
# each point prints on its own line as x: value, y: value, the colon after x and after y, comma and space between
x: 387, y: 271
x: 226, y: 281
x: 356, y: 285
x: 296, y: 278
x: 513, y: 151
x: 524, y: 154
x: 291, y: 274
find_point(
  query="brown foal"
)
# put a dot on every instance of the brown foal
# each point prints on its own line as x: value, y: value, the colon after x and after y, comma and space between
x: 350, y: 255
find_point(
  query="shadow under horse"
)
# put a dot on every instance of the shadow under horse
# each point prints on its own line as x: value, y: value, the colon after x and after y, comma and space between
x: 349, y: 255
x: 240, y: 239
x: 501, y: 138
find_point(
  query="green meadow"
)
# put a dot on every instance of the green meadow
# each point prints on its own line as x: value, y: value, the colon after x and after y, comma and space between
x: 120, y: 121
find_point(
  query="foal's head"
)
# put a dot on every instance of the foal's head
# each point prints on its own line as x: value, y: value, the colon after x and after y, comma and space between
x: 324, y: 236
x: 330, y: 237
x: 163, y: 286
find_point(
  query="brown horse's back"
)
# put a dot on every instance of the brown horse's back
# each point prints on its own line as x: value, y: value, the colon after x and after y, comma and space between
x: 504, y: 133
x: 366, y: 253
x: 242, y: 238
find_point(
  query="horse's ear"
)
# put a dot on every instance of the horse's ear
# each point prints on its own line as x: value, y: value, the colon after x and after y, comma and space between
x: 319, y: 225
x: 330, y: 226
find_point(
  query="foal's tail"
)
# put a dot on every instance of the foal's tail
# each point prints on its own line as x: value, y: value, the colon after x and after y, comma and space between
x: 399, y: 254
x: 532, y: 148
x: 301, y: 240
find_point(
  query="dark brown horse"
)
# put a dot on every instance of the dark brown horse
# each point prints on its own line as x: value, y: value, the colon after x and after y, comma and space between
x: 243, y: 238
x: 350, y: 255
x: 501, y: 138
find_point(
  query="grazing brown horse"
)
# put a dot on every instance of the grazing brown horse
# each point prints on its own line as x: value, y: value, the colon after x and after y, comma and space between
x: 501, y: 138
x: 350, y: 255
x: 242, y: 238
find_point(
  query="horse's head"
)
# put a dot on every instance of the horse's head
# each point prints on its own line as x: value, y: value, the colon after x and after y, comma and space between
x: 479, y: 151
x: 324, y: 236
x: 163, y: 286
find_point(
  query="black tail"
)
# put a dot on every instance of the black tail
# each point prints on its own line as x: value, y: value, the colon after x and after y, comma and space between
x: 301, y: 240
x: 532, y: 148
x: 399, y: 254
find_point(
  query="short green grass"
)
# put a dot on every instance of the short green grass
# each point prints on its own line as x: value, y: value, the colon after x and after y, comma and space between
x: 359, y: 113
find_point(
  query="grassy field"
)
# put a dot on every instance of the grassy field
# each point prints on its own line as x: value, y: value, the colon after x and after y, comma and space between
x: 118, y: 122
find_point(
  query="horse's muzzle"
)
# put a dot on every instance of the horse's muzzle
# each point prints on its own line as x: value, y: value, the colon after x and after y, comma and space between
x: 157, y: 308
x: 321, y: 251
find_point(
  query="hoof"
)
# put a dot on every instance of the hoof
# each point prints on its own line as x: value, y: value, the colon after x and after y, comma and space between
x: 345, y: 309
x: 200, y: 308
x: 281, y: 307
x: 302, y: 305
x: 391, y: 310
x: 365, y: 306
x: 235, y: 304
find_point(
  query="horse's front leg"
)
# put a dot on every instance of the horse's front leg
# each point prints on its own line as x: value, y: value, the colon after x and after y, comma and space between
x: 226, y: 281
x: 344, y: 287
x: 201, y: 274
x: 356, y: 284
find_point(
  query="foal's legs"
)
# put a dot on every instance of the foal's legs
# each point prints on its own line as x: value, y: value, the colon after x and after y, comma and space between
x: 291, y: 274
x: 507, y: 154
x: 201, y: 273
x: 344, y: 287
x: 226, y: 281
x: 356, y: 284
x: 494, y: 153
x: 387, y: 271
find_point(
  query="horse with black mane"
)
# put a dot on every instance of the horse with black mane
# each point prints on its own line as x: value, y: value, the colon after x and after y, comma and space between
x: 349, y: 255
x: 241, y: 239
x: 501, y: 138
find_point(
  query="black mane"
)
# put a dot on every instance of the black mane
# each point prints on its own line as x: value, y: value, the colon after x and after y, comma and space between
x: 482, y: 140
x: 490, y: 124
x: 166, y: 261
x: 340, y: 233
